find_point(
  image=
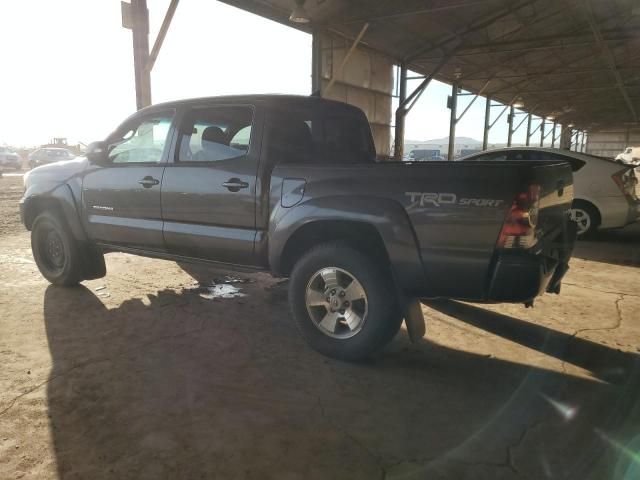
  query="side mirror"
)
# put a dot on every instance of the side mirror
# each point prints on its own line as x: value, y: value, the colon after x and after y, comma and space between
x: 97, y: 152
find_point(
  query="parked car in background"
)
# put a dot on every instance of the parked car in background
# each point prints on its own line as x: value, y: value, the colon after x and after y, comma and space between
x: 606, y: 193
x: 9, y: 159
x: 44, y: 156
x: 424, y: 155
x: 630, y: 156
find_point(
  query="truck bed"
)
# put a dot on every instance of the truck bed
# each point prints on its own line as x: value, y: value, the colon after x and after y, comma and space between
x: 455, y: 211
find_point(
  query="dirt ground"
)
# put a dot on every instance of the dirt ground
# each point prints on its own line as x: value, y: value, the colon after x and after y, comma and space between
x: 148, y: 374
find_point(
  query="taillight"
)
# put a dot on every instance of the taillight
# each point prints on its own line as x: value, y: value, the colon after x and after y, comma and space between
x: 626, y: 181
x: 519, y: 228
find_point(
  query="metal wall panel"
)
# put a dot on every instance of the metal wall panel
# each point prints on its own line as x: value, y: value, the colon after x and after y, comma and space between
x: 611, y: 142
x: 366, y: 81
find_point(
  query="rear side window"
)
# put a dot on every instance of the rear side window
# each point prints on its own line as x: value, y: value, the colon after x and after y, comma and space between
x: 345, y: 140
x: 490, y: 156
x: 304, y: 138
x: 575, y: 163
x: 519, y: 155
x: 215, y: 134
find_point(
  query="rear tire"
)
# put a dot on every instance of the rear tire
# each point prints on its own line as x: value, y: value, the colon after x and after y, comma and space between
x: 55, y: 250
x: 586, y: 216
x: 362, y: 314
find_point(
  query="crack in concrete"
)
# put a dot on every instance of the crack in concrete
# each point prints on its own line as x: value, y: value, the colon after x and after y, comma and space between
x: 599, y: 290
x: 96, y: 361
x: 510, y: 448
x: 614, y: 327
x: 621, y: 297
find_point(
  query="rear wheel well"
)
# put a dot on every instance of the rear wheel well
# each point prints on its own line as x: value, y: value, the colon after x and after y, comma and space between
x: 361, y: 236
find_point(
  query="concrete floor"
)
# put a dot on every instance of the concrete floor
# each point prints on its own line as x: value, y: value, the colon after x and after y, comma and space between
x: 142, y: 375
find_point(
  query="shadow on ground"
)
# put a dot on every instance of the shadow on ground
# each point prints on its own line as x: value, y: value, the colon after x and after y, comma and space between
x: 618, y: 247
x: 176, y: 386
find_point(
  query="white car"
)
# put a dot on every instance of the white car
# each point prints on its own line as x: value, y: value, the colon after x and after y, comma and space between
x: 606, y: 193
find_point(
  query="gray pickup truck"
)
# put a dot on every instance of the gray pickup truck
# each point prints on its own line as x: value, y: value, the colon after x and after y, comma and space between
x: 292, y: 185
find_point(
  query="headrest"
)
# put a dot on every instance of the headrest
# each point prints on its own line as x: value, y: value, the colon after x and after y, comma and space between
x: 213, y: 135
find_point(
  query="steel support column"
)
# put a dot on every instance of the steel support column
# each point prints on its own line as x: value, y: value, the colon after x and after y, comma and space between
x: 553, y: 135
x: 162, y: 33
x: 510, y: 125
x: 453, y: 104
x: 140, y: 30
x: 565, y: 137
x: 346, y: 58
x: 542, y: 132
x: 401, y: 113
x: 487, y: 116
x: 528, y: 129
x: 316, y: 63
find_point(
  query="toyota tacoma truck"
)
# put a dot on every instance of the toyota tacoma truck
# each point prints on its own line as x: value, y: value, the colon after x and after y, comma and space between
x: 292, y: 185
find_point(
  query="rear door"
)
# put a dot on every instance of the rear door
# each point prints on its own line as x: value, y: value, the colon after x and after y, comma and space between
x: 121, y: 199
x: 209, y: 186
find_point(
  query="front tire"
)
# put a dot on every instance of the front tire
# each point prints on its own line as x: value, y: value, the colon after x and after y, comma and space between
x: 55, y: 250
x: 345, y: 306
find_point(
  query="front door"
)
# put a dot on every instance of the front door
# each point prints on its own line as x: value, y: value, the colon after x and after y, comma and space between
x: 208, y: 190
x: 121, y: 198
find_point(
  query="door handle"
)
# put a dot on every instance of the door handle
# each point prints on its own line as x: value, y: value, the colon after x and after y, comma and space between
x: 148, y: 182
x: 235, y: 184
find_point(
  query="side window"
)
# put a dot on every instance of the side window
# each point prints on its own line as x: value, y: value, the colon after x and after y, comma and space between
x: 490, y: 156
x: 141, y: 142
x: 301, y: 137
x: 290, y: 138
x: 517, y: 155
x: 241, y: 139
x: 215, y: 134
x: 346, y: 141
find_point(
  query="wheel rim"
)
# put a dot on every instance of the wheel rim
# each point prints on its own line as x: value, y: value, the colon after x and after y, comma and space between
x: 582, y: 218
x: 52, y: 248
x: 336, y: 302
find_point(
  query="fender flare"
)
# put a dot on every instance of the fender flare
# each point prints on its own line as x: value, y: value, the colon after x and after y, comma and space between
x: 62, y: 197
x: 387, y: 216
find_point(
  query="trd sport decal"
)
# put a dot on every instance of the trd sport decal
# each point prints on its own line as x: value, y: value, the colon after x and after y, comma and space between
x: 430, y: 199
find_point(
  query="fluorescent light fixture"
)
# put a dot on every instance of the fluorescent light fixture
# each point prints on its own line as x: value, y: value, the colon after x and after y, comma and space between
x: 518, y: 103
x: 299, y: 13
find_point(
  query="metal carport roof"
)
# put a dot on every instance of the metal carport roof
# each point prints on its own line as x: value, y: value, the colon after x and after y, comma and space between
x: 575, y: 60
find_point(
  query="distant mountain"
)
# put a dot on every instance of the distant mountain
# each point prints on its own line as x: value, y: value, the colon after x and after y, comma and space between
x: 445, y: 140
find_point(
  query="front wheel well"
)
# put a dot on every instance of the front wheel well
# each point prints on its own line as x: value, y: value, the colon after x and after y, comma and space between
x: 359, y: 235
x: 36, y: 206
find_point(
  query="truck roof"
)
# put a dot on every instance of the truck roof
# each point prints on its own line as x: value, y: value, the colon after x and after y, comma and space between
x: 271, y: 99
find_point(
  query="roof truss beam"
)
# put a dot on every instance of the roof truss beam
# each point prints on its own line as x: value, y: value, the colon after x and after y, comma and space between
x: 608, y: 57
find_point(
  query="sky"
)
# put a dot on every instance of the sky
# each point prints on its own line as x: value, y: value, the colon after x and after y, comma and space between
x: 67, y: 71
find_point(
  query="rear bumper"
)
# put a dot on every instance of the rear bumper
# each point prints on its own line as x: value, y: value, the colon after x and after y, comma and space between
x: 617, y: 211
x: 634, y: 211
x: 521, y: 276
